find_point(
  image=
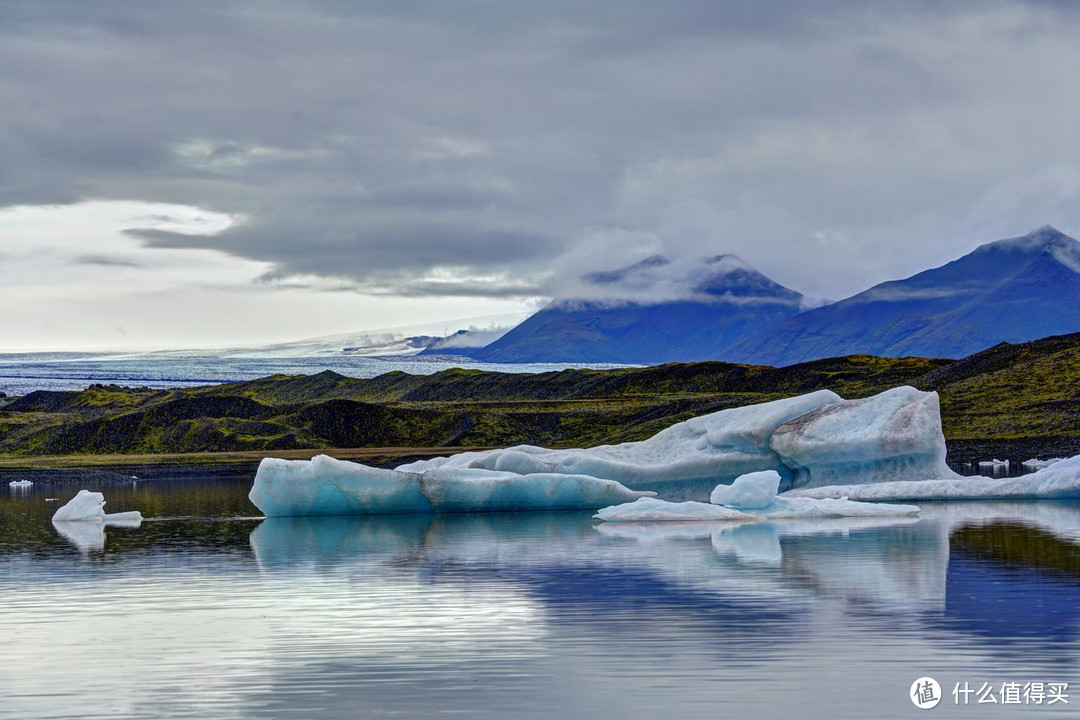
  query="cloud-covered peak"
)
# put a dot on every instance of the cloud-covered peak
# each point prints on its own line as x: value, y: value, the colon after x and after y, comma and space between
x: 657, y: 279
x: 1045, y: 239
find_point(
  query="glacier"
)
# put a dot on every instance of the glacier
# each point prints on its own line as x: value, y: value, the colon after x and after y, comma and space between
x: 325, y: 486
x: 812, y: 440
x: 1059, y: 480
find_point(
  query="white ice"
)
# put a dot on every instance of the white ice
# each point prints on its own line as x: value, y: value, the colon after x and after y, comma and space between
x: 20, y: 483
x: 470, y: 490
x: 995, y: 463
x: 685, y: 460
x: 1060, y: 480
x: 89, y: 506
x: 748, y: 492
x: 325, y: 486
x: 1036, y: 464
x: 894, y: 434
x: 654, y: 510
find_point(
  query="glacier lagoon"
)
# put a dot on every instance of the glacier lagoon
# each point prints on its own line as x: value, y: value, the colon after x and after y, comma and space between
x: 208, y: 611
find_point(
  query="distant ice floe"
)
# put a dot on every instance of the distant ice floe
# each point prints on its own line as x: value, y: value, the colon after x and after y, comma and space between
x: 82, y: 520
x: 995, y: 463
x: 1036, y: 464
x: 20, y: 483
x: 1059, y: 480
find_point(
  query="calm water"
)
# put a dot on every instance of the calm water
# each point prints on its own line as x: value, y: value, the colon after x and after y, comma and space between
x: 206, y: 611
x: 24, y: 372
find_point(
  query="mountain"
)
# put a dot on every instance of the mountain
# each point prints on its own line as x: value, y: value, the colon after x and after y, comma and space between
x: 677, y: 314
x: 1010, y: 401
x: 1011, y: 290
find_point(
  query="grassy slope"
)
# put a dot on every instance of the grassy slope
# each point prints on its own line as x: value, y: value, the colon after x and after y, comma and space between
x: 1013, y: 393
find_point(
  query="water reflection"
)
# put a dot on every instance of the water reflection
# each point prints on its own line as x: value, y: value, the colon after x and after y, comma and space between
x: 203, y: 611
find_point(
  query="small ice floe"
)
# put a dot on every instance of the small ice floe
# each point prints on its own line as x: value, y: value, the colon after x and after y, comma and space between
x: 995, y: 463
x: 89, y: 506
x: 20, y: 483
x: 82, y: 520
x: 750, y: 497
x: 1036, y: 464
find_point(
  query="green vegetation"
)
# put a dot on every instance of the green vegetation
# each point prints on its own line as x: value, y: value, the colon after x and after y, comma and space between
x: 1010, y: 393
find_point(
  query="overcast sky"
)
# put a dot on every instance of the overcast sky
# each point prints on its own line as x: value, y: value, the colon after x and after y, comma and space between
x: 177, y: 174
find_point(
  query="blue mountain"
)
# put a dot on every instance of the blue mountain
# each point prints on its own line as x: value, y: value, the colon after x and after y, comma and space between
x: 673, y: 314
x: 1012, y: 290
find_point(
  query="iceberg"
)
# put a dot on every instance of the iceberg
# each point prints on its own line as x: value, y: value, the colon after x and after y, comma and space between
x: 684, y: 461
x: 1060, y: 480
x: 469, y: 490
x: 20, y: 483
x: 995, y: 463
x: 1036, y: 464
x: 89, y: 506
x: 894, y: 434
x: 748, y: 492
x: 325, y: 486
x: 654, y: 510
x: 83, y: 519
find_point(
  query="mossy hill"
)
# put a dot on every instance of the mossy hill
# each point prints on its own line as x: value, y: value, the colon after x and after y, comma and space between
x: 1024, y: 397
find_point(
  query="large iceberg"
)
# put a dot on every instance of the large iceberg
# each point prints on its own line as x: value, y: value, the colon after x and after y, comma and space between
x: 811, y: 440
x: 325, y: 486
x: 686, y: 460
x: 1060, y: 480
x: 895, y: 434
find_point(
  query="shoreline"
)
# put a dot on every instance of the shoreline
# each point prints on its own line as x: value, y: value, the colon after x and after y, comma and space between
x: 223, y: 464
x: 175, y: 465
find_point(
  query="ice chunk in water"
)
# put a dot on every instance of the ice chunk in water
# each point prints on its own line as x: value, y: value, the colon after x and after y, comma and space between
x: 325, y: 486
x: 1060, y: 480
x: 748, y: 492
x: 89, y: 506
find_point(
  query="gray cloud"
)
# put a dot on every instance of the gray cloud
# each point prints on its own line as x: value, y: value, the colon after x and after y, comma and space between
x: 427, y: 148
x: 105, y: 261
